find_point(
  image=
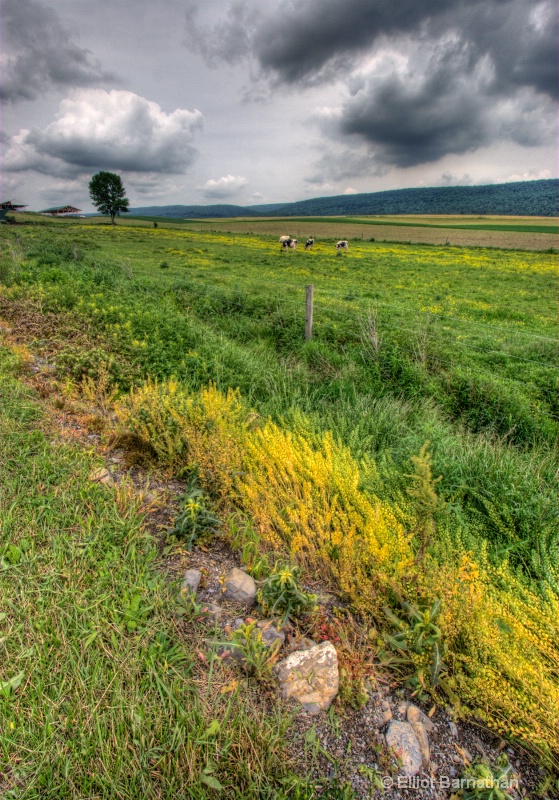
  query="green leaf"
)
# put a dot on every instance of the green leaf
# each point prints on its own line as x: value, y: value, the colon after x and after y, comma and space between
x: 394, y: 619
x: 213, y: 729
x: 436, y: 665
x: 8, y: 686
x: 91, y: 638
x: 436, y: 609
x: 212, y: 782
x: 396, y: 643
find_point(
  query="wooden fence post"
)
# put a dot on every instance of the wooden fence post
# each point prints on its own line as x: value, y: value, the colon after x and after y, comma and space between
x: 309, y: 312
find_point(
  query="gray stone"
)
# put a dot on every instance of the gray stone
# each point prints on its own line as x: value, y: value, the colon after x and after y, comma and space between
x: 239, y: 587
x: 401, y: 738
x: 270, y: 633
x: 453, y: 729
x: 310, y: 676
x: 231, y: 651
x: 301, y: 643
x: 191, y: 580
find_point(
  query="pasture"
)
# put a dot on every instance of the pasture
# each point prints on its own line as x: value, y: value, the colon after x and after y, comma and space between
x: 412, y: 344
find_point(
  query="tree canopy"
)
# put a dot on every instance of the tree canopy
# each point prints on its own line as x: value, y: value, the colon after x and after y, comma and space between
x: 108, y: 194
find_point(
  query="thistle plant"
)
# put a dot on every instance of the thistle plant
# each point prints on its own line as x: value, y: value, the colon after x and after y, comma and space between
x: 196, y: 522
x: 281, y: 593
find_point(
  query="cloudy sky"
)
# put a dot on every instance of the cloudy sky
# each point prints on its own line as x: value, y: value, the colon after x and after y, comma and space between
x: 262, y: 101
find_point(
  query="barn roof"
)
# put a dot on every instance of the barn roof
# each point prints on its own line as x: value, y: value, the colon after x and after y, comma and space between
x: 60, y: 210
x: 9, y: 205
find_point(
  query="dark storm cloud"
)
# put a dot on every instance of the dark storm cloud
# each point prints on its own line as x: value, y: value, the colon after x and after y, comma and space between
x: 39, y: 53
x: 298, y: 42
x: 464, y: 73
x: 416, y: 116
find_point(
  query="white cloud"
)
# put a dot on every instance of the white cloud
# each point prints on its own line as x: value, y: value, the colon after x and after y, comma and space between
x: 96, y: 129
x: 529, y: 175
x: 350, y: 190
x: 226, y: 186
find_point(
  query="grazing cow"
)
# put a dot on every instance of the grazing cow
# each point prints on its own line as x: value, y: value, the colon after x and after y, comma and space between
x: 342, y: 245
x: 292, y: 243
x: 309, y: 244
x: 283, y: 239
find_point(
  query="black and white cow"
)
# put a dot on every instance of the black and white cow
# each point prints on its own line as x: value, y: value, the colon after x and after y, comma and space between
x: 287, y: 242
x: 309, y: 244
x: 342, y: 245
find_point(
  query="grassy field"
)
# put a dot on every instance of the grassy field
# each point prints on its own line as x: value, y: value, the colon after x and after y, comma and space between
x: 528, y: 233
x: 512, y: 224
x: 412, y: 344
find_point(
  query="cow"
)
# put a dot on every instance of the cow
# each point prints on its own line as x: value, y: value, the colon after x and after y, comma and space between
x: 309, y: 244
x: 288, y: 242
x: 342, y: 245
x: 283, y: 239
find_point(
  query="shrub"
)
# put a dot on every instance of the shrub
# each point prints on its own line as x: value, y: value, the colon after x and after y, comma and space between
x: 198, y: 433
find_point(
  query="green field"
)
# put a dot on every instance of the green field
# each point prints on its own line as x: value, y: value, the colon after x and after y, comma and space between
x: 411, y: 344
x: 542, y: 225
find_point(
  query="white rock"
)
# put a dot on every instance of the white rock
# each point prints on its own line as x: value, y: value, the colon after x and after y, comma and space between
x: 310, y: 676
x: 400, y: 737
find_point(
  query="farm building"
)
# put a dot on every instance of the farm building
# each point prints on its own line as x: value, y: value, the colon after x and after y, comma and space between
x: 56, y: 212
x: 9, y: 205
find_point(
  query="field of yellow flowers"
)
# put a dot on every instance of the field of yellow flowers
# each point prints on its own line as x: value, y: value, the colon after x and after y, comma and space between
x: 322, y: 444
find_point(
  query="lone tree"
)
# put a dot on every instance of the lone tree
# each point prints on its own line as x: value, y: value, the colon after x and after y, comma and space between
x: 108, y: 194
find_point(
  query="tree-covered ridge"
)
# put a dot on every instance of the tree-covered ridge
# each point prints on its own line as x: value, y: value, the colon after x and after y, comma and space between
x: 525, y: 198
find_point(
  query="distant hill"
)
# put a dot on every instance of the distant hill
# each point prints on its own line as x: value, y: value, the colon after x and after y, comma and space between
x: 197, y: 212
x: 522, y: 199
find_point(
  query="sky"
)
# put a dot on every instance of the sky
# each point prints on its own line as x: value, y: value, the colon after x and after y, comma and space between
x: 270, y: 101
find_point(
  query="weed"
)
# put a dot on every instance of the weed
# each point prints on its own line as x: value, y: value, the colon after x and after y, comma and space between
x: 419, y: 644
x: 482, y: 782
x: 281, y: 593
x: 425, y: 499
x: 256, y: 657
x: 195, y: 524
